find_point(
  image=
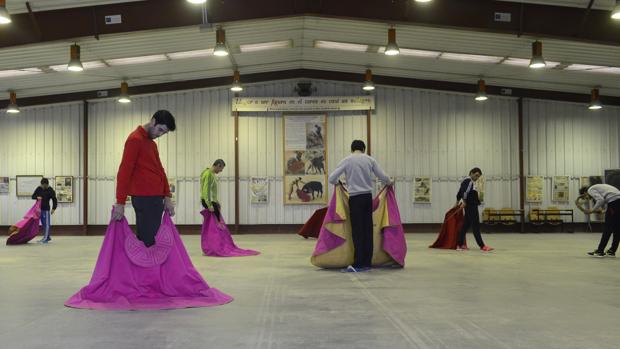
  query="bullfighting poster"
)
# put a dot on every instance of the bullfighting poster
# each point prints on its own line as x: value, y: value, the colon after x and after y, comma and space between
x: 561, y: 187
x: 305, y: 159
x: 422, y: 190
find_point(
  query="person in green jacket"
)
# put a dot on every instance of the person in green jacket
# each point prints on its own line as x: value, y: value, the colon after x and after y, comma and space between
x: 209, y: 186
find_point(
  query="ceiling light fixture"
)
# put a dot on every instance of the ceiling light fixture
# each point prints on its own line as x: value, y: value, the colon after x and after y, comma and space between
x: 75, y: 64
x: 136, y: 60
x: 12, y: 108
x: 481, y: 95
x: 391, y: 49
x: 85, y: 65
x: 124, y: 95
x: 236, y: 85
x: 615, y: 14
x: 537, y: 60
x: 220, y: 43
x: 197, y: 1
x: 19, y: 72
x: 265, y: 46
x: 368, y: 84
x: 190, y: 54
x: 345, y: 46
x: 414, y: 52
x: 595, y: 100
x: 5, y: 18
x: 466, y: 57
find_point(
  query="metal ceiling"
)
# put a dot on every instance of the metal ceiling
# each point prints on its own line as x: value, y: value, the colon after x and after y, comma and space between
x: 303, y: 31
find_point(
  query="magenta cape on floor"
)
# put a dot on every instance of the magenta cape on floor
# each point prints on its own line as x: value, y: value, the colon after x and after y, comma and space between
x: 334, y: 248
x: 216, y: 241
x: 26, y: 229
x: 130, y: 276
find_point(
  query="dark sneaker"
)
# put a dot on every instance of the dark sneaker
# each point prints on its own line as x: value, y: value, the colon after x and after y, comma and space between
x: 596, y: 254
x: 610, y: 253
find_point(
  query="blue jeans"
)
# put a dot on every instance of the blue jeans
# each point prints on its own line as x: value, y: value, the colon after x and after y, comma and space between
x: 46, y: 222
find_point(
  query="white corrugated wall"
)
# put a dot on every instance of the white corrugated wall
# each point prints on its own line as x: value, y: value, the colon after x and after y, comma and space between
x: 45, y: 140
x: 414, y: 133
x: 568, y: 139
x: 204, y: 133
x: 443, y: 135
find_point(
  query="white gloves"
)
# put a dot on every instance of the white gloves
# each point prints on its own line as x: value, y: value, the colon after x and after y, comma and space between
x: 169, y: 206
x: 118, y: 212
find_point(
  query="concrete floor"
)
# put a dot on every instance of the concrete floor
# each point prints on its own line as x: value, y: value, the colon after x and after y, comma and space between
x: 534, y: 291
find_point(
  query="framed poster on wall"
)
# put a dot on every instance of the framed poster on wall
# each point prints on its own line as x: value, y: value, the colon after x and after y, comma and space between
x: 4, y: 185
x: 26, y: 185
x: 534, y: 189
x: 422, y: 190
x: 64, y: 188
x: 172, y: 184
x: 560, y: 188
x: 305, y: 158
x: 586, y: 181
x: 259, y: 190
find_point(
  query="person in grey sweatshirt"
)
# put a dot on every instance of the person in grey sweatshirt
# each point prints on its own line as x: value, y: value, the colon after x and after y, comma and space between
x: 359, y: 169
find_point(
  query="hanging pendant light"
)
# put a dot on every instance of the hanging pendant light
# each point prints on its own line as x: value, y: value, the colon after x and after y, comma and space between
x: 12, y: 108
x: 595, y: 100
x: 391, y: 49
x: 5, y: 18
x: 615, y: 14
x: 220, y: 43
x: 368, y: 84
x: 124, y: 95
x: 236, y: 85
x: 481, y: 95
x: 537, y: 60
x: 75, y: 63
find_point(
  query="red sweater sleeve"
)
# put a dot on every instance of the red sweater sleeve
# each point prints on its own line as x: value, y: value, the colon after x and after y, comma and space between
x: 125, y: 171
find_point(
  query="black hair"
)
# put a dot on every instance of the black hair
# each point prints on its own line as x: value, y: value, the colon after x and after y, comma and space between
x: 45, y: 181
x: 219, y: 162
x: 358, y: 145
x: 164, y: 117
x: 583, y: 190
x: 475, y: 170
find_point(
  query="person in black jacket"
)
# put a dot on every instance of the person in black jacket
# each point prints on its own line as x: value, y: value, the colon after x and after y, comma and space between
x: 45, y: 193
x: 467, y: 198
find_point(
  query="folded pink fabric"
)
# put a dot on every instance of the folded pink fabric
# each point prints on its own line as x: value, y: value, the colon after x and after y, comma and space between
x: 130, y: 276
x: 216, y: 241
x: 27, y: 228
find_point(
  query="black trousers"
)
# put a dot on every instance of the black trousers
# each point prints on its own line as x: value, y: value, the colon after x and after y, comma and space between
x: 472, y: 219
x: 612, y: 226
x: 216, y: 208
x: 149, y: 210
x: 360, y: 208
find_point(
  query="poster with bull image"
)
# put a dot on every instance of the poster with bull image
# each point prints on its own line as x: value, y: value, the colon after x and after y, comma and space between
x: 305, y: 159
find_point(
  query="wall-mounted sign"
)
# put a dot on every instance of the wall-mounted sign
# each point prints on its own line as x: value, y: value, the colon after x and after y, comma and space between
x: 327, y: 103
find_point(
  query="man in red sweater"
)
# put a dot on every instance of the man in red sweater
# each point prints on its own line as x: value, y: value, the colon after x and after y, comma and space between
x: 142, y: 176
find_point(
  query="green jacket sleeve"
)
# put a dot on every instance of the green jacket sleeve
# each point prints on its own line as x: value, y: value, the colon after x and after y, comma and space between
x: 208, y: 192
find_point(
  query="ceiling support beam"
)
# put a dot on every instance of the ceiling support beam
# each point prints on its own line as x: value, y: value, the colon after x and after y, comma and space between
x: 315, y: 74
